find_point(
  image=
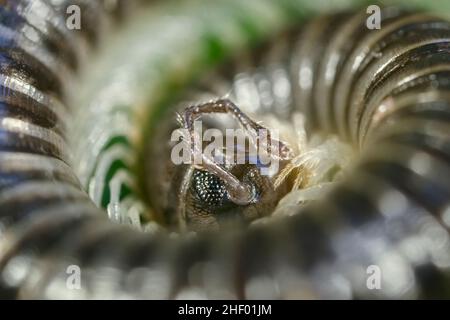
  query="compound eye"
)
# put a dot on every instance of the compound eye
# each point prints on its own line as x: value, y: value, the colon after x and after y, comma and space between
x: 209, y: 189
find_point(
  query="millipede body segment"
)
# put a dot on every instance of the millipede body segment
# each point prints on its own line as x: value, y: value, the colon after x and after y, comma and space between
x: 86, y: 118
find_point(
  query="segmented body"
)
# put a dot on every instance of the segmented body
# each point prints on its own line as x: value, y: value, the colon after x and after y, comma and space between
x: 391, y: 211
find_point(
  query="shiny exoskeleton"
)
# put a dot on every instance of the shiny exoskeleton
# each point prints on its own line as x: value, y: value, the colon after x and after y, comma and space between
x: 386, y: 91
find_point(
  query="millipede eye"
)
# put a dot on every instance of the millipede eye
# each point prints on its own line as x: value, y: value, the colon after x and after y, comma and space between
x: 209, y: 189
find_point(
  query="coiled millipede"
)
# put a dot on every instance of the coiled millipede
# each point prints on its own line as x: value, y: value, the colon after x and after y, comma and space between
x: 385, y: 92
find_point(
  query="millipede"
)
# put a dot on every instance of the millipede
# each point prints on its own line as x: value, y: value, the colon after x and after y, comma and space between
x: 87, y: 181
